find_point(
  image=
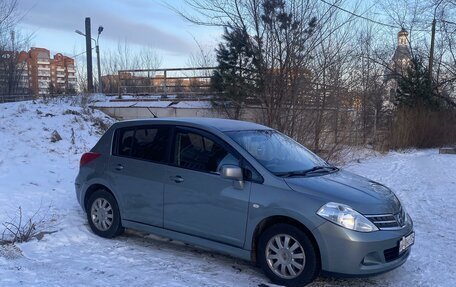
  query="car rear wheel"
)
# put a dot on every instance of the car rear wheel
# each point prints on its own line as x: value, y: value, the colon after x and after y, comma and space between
x: 103, y: 214
x: 287, y: 255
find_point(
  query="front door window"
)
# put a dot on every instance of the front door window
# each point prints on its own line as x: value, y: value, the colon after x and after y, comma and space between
x: 196, y: 152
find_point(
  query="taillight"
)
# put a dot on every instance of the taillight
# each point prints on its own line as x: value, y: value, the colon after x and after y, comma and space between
x: 88, y: 157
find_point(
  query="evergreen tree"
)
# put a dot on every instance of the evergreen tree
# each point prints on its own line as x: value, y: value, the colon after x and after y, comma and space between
x: 414, y: 87
x: 236, y: 78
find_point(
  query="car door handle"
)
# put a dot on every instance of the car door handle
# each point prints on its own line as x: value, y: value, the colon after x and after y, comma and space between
x: 176, y: 179
x: 119, y: 167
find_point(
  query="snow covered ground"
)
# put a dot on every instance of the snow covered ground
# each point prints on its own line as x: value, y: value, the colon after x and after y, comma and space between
x: 38, y: 175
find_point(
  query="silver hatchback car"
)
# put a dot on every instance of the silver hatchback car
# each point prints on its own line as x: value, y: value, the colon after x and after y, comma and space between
x: 246, y: 190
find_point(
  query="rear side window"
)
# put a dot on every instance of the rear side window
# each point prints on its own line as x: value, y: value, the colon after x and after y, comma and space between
x: 125, y: 138
x: 145, y: 143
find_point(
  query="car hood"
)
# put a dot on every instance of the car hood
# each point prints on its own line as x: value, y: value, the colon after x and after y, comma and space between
x: 364, y: 195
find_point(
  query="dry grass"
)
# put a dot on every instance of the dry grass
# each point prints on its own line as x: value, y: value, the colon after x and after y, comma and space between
x: 421, y: 127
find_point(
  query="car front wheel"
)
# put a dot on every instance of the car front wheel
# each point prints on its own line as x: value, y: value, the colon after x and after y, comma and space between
x: 287, y: 255
x: 103, y: 214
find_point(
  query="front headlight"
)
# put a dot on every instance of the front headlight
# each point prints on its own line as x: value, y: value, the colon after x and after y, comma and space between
x: 346, y: 216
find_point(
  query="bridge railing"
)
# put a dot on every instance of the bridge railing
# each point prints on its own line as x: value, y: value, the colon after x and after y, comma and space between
x: 180, y: 82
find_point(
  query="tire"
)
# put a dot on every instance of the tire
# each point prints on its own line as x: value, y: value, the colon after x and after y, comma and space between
x: 300, y: 257
x: 103, y: 214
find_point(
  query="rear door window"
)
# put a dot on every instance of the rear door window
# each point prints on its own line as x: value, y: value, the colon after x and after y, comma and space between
x: 125, y: 141
x: 145, y: 143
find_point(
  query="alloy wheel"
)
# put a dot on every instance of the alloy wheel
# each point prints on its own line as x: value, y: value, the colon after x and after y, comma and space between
x: 285, y: 256
x: 102, y: 214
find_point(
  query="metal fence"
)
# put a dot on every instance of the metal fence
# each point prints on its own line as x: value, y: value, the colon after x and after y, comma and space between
x: 15, y: 98
x: 332, y: 114
x: 181, y: 82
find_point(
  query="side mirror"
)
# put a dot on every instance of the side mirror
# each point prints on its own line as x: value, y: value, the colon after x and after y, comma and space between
x: 233, y: 172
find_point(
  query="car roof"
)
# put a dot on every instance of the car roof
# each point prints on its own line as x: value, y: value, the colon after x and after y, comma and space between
x: 222, y: 125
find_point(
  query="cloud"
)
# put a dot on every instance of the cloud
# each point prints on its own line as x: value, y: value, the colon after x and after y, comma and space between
x: 120, y: 20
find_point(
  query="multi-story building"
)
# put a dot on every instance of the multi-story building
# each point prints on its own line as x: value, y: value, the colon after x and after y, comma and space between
x: 14, y: 79
x: 39, y: 64
x: 63, y: 74
x: 47, y: 75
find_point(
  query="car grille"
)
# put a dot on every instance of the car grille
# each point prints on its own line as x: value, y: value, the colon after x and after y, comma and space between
x: 388, y: 221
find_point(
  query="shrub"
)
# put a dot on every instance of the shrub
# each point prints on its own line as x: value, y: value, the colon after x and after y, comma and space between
x: 422, y: 127
x: 20, y: 228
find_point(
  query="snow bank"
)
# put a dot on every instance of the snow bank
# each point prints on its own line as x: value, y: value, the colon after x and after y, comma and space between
x: 36, y: 173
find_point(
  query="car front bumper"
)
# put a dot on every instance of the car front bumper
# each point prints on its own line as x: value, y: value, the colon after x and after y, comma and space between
x: 353, y: 253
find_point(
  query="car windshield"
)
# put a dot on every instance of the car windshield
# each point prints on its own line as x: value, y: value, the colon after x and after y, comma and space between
x: 278, y: 153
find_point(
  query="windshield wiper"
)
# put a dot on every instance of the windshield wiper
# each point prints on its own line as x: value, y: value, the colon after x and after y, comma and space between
x: 326, y: 168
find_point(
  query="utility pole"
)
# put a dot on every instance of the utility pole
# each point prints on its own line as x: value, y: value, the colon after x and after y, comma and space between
x: 89, y: 55
x: 97, y: 49
x: 100, y: 84
x: 431, y: 52
x: 100, y: 89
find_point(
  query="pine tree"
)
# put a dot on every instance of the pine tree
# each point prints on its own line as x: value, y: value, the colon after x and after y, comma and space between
x: 414, y: 88
x: 236, y: 78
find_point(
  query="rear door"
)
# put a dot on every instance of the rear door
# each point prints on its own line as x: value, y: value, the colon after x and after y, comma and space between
x: 197, y: 200
x: 137, y: 168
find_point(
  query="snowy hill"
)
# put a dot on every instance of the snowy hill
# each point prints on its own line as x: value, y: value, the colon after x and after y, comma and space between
x: 37, y: 175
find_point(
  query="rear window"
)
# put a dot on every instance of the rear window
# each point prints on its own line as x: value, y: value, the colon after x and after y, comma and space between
x: 145, y: 143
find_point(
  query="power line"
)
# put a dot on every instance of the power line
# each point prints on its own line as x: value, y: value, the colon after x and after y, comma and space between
x: 359, y: 16
x: 366, y: 18
x: 82, y: 53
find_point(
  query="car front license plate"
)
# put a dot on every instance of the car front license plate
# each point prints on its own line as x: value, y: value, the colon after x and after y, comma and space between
x: 406, y: 242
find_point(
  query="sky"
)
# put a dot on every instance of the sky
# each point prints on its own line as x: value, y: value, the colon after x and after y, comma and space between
x: 140, y: 23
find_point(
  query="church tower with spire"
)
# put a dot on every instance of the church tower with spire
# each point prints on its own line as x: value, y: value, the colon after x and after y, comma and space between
x: 402, y: 38
x: 397, y: 67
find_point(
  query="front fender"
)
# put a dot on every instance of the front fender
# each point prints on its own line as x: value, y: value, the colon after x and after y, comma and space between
x: 267, y: 202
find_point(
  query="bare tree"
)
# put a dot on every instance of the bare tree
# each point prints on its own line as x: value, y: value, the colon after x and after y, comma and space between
x: 321, y: 65
x: 13, y: 76
x: 125, y: 57
x: 8, y: 16
x: 81, y: 71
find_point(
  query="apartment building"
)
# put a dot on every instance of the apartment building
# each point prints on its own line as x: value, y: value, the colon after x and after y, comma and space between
x: 46, y: 75
x: 63, y: 74
x: 13, y: 75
